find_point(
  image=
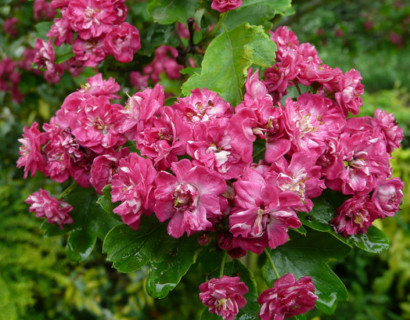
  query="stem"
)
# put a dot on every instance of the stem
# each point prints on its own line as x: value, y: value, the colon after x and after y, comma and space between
x: 272, y: 264
x: 259, y: 152
x: 67, y: 191
x: 221, y: 272
x: 297, y: 87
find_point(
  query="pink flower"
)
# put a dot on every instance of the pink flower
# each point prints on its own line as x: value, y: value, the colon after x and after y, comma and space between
x: 260, y: 210
x: 355, y: 216
x: 61, y: 31
x: 140, y: 110
x: 224, y: 296
x: 91, y: 18
x: 211, y: 146
x: 349, y: 93
x: 164, y: 61
x: 393, y: 134
x: 387, y: 196
x: 163, y: 138
x: 97, y: 125
x: 90, y: 52
x: 31, y: 156
x: 65, y: 157
x: 123, y: 42
x: 362, y: 152
x: 187, y: 198
x: 55, y: 211
x: 203, y: 105
x: 287, y: 298
x: 139, y: 81
x: 10, y: 26
x: 311, y: 122
x: 225, y: 5
x: 43, y: 10
x: 96, y: 86
x: 45, y: 58
x: 104, y: 167
x: 132, y: 185
x: 285, y: 39
x: 300, y: 177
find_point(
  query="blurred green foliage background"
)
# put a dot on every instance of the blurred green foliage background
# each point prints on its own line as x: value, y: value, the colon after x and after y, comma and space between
x: 38, y: 282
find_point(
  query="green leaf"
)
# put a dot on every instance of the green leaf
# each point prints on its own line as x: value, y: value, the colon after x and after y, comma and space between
x: 156, y: 35
x: 374, y: 240
x: 227, y: 59
x: 324, y: 210
x: 170, y: 11
x: 63, y: 53
x: 90, y: 222
x: 308, y: 256
x: 168, y: 259
x: 318, y: 219
x: 43, y: 28
x: 256, y: 12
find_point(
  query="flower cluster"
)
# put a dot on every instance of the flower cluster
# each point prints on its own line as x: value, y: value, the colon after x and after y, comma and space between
x: 239, y: 174
x: 55, y: 211
x: 288, y: 297
x: 94, y: 28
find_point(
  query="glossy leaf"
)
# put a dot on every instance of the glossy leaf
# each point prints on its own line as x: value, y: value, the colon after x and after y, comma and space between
x: 227, y: 59
x: 156, y: 35
x: 90, y: 222
x: 324, y: 210
x: 168, y: 259
x: 256, y: 12
x: 170, y: 11
x: 374, y: 240
x: 308, y: 256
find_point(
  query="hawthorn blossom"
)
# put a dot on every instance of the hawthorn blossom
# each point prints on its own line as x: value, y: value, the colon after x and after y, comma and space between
x: 61, y: 31
x: 30, y: 153
x: 311, y: 122
x: 96, y: 86
x: 90, y: 52
x: 349, y: 93
x: 104, y: 167
x: 55, y: 211
x: 45, y: 58
x: 140, y: 110
x: 202, y: 106
x: 225, y: 5
x: 123, y: 41
x: 363, y: 157
x: 224, y: 296
x: 355, y: 216
x: 187, y: 198
x: 164, y: 61
x: 139, y: 81
x: 91, y: 18
x: 43, y: 10
x: 287, y: 298
x: 132, y: 185
x: 212, y: 146
x: 387, y: 196
x: 164, y: 138
x: 300, y: 177
x: 10, y: 26
x: 261, y: 210
x: 392, y: 133
x: 97, y: 125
